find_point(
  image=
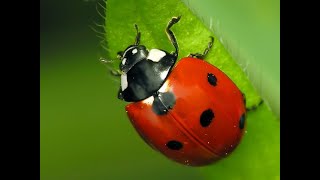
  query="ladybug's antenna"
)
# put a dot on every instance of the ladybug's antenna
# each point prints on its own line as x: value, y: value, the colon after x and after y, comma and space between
x: 138, y: 35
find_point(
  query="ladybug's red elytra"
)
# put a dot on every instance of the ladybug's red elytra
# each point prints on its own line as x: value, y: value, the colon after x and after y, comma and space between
x: 190, y: 111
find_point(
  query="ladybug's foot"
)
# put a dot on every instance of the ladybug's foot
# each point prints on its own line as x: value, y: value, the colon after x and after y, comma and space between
x: 254, y: 106
x: 115, y: 72
x: 197, y: 55
x: 202, y: 56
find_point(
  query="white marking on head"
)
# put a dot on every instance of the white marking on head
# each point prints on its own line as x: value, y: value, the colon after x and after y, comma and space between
x: 134, y: 51
x: 124, y: 61
x: 149, y: 100
x: 164, y: 74
x: 124, y: 53
x: 124, y: 82
x: 165, y: 87
x: 155, y: 55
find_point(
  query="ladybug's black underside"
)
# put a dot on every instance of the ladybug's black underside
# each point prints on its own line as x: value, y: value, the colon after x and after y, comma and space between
x: 146, y: 77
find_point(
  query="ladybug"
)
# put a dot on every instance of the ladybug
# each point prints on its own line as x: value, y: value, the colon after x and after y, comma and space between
x: 191, y: 111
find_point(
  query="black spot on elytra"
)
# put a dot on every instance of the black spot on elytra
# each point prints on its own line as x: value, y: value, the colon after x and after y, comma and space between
x: 212, y: 79
x: 242, y: 121
x: 206, y: 117
x: 163, y: 102
x: 174, y: 145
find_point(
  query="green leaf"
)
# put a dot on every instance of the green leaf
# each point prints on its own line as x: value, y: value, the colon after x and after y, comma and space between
x: 258, y: 154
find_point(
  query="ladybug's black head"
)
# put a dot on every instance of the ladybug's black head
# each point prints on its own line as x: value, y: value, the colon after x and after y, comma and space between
x: 132, y: 55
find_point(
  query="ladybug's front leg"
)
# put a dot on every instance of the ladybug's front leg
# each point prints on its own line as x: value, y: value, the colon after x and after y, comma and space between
x: 171, y: 36
x: 114, y: 72
x: 202, y: 56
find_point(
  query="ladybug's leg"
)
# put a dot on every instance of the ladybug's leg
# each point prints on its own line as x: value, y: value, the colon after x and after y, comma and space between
x: 254, y: 106
x: 171, y: 36
x: 120, y: 94
x: 202, y: 56
x: 114, y: 72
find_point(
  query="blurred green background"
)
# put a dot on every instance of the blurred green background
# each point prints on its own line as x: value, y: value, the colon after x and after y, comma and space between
x: 84, y: 131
